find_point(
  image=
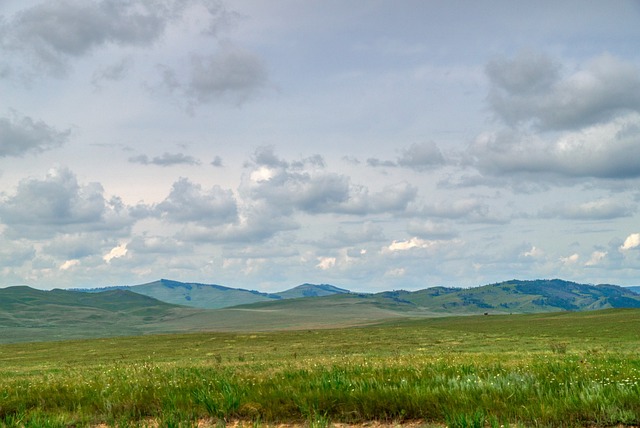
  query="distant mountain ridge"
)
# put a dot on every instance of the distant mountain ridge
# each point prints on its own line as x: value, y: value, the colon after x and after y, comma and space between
x: 540, y: 295
x: 213, y: 296
x: 27, y: 314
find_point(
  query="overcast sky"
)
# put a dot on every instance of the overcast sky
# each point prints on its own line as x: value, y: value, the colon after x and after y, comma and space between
x: 373, y: 145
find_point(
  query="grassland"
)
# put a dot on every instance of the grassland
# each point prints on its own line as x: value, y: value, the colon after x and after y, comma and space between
x: 560, y: 369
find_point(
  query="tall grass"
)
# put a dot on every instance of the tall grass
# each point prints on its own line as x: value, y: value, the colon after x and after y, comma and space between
x: 313, y: 378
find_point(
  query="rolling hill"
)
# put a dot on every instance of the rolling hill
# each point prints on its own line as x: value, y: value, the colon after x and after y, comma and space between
x: 513, y: 296
x: 212, y: 296
x: 27, y: 314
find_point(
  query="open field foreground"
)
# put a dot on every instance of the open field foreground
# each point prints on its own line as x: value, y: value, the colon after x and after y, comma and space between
x: 557, y: 369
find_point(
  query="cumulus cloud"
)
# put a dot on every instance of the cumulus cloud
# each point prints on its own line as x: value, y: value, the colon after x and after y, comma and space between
x: 188, y: 202
x: 416, y: 247
x: 606, y: 150
x: 570, y: 260
x: 232, y: 74
x: 58, y: 204
x: 531, y: 89
x: 632, y: 241
x: 167, y: 159
x: 22, y: 135
x: 53, y: 32
x: 115, y: 253
x: 597, y: 257
x: 229, y: 75
x: 421, y: 157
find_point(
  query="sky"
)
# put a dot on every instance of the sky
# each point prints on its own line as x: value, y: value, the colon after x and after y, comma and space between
x: 373, y: 145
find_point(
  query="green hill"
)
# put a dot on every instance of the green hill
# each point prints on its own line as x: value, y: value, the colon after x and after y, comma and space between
x: 311, y: 290
x: 27, y: 314
x: 513, y: 296
x: 35, y: 315
x: 212, y: 296
x: 635, y: 289
x: 198, y: 295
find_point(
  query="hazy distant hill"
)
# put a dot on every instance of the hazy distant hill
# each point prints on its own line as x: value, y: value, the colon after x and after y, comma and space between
x: 209, y: 296
x: 30, y: 314
x: 311, y: 290
x: 27, y: 314
x: 212, y: 296
x: 516, y: 297
x: 635, y: 289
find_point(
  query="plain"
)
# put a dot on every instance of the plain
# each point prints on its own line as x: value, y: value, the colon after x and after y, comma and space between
x: 553, y: 369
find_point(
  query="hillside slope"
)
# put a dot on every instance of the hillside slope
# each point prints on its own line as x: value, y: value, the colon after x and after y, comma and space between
x: 27, y: 314
x: 513, y: 296
x: 209, y: 296
x: 212, y: 296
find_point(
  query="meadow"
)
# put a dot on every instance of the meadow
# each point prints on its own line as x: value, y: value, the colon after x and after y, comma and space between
x: 559, y: 369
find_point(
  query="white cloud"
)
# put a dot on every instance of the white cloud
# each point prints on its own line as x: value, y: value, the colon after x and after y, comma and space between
x: 534, y: 252
x: 69, y: 264
x: 570, y: 260
x: 632, y: 241
x: 326, y: 263
x: 596, y: 258
x: 409, y: 244
x: 115, y: 253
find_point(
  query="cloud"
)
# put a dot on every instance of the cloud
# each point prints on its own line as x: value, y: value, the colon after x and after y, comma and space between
x: 603, y: 209
x: 60, y: 205
x: 217, y: 162
x: 22, y: 135
x: 112, y: 73
x: 326, y: 263
x: 534, y: 253
x: 530, y: 89
x: 632, y: 241
x: 53, y: 32
x: 430, y: 230
x: 570, y: 260
x: 14, y: 253
x: 607, y: 150
x: 419, y: 157
x: 188, y: 202
x: 115, y: 253
x: 597, y: 257
x: 367, y: 233
x: 230, y: 75
x: 470, y: 209
x: 69, y: 264
x: 167, y: 159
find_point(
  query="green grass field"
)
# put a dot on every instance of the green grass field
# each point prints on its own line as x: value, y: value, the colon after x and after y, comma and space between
x: 559, y: 369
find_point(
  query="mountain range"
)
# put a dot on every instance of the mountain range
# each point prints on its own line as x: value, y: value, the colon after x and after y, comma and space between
x: 213, y: 296
x: 167, y: 306
x: 504, y: 297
